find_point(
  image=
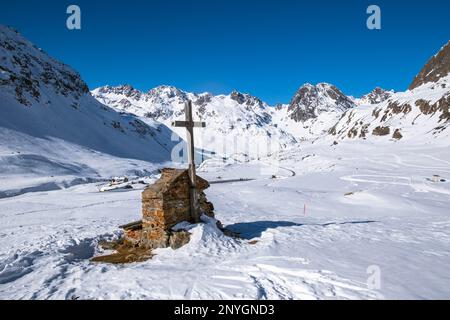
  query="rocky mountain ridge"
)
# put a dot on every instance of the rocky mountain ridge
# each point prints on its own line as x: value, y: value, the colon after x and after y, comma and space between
x: 42, y: 98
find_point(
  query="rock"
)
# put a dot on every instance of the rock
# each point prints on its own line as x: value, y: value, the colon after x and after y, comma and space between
x: 381, y: 131
x: 178, y: 239
x: 397, y: 134
x: 310, y: 101
x: 437, y: 67
x: 125, y: 254
x: 436, y: 178
x: 377, y: 95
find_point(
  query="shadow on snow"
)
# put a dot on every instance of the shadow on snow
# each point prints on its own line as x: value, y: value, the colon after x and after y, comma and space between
x: 250, y: 230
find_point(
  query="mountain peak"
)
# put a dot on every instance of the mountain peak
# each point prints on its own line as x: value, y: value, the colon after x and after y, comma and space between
x: 42, y: 98
x: 324, y: 85
x: 28, y: 71
x: 311, y: 100
x: 169, y: 92
x: 5, y: 28
x: 125, y: 89
x: 377, y: 95
x: 436, y: 68
x: 247, y: 99
x: 165, y: 87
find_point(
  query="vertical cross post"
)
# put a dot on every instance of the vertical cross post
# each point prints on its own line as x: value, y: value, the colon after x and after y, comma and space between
x: 189, y: 124
x: 191, y: 161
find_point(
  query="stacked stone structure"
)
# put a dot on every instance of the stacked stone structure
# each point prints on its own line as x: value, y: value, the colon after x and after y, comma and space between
x: 164, y: 205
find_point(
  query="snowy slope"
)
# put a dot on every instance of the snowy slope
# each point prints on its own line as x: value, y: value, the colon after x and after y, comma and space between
x: 436, y: 68
x: 377, y: 95
x: 419, y: 115
x: 51, y: 126
x: 312, y: 111
x: 310, y: 129
x: 235, y: 124
x: 310, y: 101
x: 349, y: 209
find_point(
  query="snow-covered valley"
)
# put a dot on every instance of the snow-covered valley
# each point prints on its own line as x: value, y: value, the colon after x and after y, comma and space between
x: 366, y: 206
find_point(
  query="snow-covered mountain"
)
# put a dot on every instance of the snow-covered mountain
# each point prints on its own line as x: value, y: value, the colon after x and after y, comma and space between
x: 50, y: 124
x: 236, y: 119
x: 310, y: 101
x: 435, y: 69
x: 377, y: 95
x: 419, y: 113
x: 235, y: 123
x: 312, y: 111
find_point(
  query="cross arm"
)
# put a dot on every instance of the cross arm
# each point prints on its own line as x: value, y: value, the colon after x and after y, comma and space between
x: 188, y: 124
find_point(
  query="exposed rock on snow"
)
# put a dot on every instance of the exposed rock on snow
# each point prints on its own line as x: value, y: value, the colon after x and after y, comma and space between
x: 27, y: 72
x: 436, y: 68
x: 310, y: 101
x: 60, y: 105
x: 420, y: 113
x: 416, y: 114
x: 235, y: 122
x: 378, y: 95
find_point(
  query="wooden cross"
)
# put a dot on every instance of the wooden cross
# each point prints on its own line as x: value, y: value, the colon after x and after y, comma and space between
x: 189, y: 124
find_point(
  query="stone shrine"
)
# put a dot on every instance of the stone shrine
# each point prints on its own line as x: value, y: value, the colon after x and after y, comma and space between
x: 165, y: 204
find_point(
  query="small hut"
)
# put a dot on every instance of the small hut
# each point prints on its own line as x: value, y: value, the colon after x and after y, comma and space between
x: 164, y: 205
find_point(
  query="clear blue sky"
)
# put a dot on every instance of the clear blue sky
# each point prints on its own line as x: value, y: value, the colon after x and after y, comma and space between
x: 264, y: 47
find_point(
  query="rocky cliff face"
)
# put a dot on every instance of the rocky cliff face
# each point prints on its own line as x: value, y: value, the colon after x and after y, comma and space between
x: 42, y: 97
x: 378, y: 95
x: 435, y: 69
x: 310, y: 101
x: 28, y: 72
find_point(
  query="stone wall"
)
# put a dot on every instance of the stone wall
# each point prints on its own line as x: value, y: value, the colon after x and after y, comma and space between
x: 165, y: 204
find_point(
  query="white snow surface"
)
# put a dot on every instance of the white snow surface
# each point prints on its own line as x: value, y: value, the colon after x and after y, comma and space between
x: 366, y: 205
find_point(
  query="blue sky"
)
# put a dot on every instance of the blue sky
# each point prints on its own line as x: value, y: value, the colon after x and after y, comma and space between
x: 264, y: 47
